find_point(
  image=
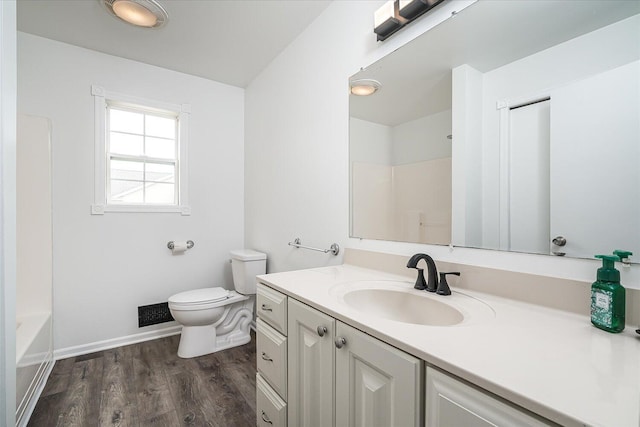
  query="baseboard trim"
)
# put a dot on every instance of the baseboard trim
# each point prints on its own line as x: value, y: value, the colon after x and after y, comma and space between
x: 78, y: 350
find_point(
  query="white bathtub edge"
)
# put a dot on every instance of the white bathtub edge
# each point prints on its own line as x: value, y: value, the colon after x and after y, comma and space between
x: 78, y: 350
x: 23, y: 419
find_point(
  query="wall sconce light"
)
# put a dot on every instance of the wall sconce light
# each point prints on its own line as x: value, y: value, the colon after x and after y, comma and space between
x: 395, y: 14
x: 141, y: 13
x: 364, y: 87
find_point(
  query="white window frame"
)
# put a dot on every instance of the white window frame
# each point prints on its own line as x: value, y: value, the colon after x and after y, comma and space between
x: 103, y: 99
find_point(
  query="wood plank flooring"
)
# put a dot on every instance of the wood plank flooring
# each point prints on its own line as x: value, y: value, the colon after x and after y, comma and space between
x: 147, y: 384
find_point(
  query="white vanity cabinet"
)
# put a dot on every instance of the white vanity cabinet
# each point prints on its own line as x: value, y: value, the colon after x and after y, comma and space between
x: 376, y: 384
x: 311, y: 366
x: 452, y: 403
x: 340, y: 376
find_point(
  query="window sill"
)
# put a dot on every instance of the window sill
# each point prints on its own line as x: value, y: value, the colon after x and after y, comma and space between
x: 102, y: 209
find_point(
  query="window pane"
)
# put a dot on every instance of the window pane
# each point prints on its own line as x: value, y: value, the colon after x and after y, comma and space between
x: 160, y: 193
x: 126, y: 121
x: 160, y: 126
x: 123, y: 169
x: 124, y: 143
x: 161, y: 148
x: 126, y: 191
x: 160, y: 172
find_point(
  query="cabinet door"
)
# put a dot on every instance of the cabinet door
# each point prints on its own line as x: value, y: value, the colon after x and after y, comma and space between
x: 376, y: 385
x: 452, y: 403
x: 311, y: 366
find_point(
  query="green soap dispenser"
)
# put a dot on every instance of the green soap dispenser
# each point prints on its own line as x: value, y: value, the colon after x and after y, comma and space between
x: 608, y: 297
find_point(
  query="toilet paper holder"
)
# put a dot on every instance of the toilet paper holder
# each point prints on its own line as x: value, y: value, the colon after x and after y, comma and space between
x: 171, y: 244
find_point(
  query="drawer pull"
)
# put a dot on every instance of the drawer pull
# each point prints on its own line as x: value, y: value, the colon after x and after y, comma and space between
x: 266, y: 357
x: 340, y: 342
x: 322, y: 330
x: 265, y: 418
x: 265, y: 308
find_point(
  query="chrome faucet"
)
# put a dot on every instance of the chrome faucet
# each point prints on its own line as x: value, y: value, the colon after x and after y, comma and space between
x: 432, y: 272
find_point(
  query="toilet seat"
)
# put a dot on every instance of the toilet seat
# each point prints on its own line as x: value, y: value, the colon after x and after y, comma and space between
x: 200, y: 299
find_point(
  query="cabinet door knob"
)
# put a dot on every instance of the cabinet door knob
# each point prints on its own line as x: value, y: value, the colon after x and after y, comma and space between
x: 340, y: 342
x: 266, y: 357
x: 265, y: 418
x: 266, y: 308
x: 322, y: 330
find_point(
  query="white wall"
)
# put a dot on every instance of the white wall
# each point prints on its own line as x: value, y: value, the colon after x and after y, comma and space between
x: 105, y: 266
x: 371, y: 142
x: 422, y: 139
x: 7, y: 212
x: 297, y: 133
x: 297, y: 150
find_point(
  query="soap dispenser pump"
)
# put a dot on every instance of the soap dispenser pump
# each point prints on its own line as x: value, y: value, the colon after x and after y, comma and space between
x: 608, y: 296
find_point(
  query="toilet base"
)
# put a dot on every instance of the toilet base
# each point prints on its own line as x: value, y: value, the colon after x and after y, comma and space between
x: 200, y: 340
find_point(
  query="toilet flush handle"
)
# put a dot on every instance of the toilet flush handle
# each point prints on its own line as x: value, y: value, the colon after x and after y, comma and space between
x: 266, y: 308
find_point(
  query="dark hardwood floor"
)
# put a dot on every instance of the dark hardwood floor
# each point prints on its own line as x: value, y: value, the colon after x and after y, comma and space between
x: 147, y: 384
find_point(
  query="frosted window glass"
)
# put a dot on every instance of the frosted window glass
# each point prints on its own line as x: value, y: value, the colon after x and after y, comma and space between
x: 160, y: 193
x: 162, y: 127
x: 126, y: 121
x: 127, y: 191
x: 160, y: 173
x: 142, y: 155
x: 124, y: 143
x: 161, y: 148
x: 122, y: 169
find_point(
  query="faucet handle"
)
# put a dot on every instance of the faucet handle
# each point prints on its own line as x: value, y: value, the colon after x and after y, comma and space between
x: 421, y: 284
x: 443, y: 286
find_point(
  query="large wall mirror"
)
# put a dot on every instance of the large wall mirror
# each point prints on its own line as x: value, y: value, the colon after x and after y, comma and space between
x: 513, y: 125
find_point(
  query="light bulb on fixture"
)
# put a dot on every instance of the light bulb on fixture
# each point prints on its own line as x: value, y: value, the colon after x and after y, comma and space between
x: 364, y: 87
x: 141, y: 13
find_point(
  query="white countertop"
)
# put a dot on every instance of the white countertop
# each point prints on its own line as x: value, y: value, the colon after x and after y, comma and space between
x: 552, y: 362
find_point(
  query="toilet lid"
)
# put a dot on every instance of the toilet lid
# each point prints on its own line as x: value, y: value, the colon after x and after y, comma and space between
x: 199, y: 296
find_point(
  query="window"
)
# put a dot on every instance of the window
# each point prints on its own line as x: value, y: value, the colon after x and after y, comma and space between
x: 140, y: 155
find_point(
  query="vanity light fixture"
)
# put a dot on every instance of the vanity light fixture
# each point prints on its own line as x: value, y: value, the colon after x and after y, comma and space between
x: 411, y: 9
x: 385, y: 20
x: 395, y: 14
x: 141, y: 13
x: 365, y: 87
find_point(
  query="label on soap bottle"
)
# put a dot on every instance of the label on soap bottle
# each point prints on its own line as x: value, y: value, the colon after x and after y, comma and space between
x: 601, y: 307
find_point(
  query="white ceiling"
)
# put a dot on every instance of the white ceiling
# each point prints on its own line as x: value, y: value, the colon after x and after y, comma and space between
x: 416, y: 79
x: 223, y: 40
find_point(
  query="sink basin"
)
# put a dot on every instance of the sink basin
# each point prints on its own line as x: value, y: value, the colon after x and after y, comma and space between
x: 403, y: 307
x: 398, y: 301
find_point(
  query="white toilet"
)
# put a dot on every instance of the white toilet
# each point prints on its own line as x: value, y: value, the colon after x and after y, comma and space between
x: 214, y: 319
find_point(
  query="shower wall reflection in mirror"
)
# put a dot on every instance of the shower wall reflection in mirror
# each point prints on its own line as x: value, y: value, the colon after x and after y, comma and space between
x: 514, y: 125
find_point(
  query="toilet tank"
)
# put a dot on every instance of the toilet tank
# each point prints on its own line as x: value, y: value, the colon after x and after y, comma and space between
x: 246, y: 264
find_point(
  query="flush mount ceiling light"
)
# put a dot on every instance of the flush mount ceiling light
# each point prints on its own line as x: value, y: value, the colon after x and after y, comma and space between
x: 142, y: 13
x: 365, y: 87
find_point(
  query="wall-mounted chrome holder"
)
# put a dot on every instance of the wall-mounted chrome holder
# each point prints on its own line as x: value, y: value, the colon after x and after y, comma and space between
x: 334, y: 248
x: 172, y: 245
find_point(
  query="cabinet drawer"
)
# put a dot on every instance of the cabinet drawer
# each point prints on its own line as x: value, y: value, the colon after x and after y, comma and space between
x: 271, y: 307
x: 271, y: 410
x: 271, y: 349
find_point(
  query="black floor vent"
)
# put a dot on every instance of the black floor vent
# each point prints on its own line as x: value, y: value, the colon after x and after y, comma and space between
x: 154, y: 314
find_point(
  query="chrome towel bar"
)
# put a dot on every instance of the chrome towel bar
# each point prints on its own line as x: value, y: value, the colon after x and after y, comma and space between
x: 334, y: 248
